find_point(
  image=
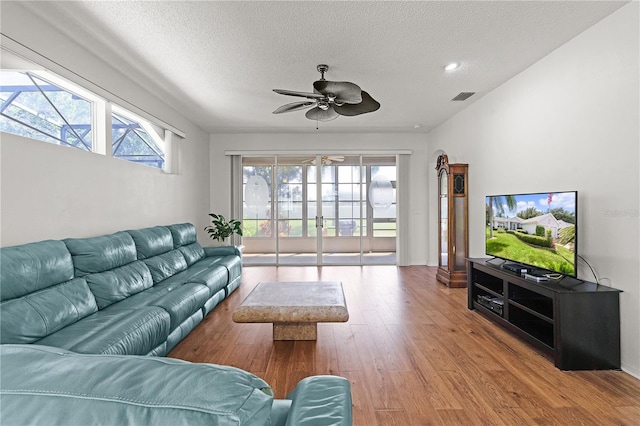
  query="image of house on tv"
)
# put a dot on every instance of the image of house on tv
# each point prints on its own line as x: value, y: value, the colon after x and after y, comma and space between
x: 547, y: 221
x: 542, y: 219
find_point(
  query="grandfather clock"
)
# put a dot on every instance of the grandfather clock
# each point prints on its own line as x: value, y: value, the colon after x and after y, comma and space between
x: 453, y: 223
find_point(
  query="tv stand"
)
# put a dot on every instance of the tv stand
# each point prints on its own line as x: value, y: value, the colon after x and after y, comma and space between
x: 496, y: 261
x: 569, y: 282
x: 576, y: 323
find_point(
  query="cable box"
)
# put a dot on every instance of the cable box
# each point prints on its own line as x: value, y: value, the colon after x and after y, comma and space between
x: 536, y: 278
x: 515, y: 267
x: 493, y: 303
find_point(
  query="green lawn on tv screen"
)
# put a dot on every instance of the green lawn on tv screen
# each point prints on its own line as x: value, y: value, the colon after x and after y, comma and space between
x: 507, y: 246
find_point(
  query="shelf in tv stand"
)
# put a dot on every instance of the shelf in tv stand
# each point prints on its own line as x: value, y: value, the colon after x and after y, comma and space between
x: 577, y: 325
x: 488, y: 290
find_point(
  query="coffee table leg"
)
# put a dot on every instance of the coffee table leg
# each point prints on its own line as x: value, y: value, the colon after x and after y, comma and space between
x: 295, y: 331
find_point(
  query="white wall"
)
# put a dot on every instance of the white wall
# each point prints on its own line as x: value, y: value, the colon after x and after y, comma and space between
x: 325, y: 143
x: 48, y: 191
x: 569, y: 122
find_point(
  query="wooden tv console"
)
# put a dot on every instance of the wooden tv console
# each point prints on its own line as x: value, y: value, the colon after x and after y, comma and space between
x: 575, y: 322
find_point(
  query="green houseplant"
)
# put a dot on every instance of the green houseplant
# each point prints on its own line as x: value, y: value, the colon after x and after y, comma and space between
x: 220, y: 228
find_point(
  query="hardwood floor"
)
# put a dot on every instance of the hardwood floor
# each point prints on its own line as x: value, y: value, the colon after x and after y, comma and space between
x: 415, y: 355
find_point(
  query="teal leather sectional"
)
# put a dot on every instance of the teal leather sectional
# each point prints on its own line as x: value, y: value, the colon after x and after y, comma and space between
x: 134, y: 292
x: 79, y: 318
x: 42, y: 385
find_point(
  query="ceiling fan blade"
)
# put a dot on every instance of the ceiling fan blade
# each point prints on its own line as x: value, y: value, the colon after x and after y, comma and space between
x: 368, y: 104
x: 294, y: 106
x: 344, y: 91
x: 300, y: 94
x: 321, y: 114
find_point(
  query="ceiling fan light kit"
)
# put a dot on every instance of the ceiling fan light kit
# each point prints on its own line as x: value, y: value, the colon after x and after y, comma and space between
x: 330, y: 99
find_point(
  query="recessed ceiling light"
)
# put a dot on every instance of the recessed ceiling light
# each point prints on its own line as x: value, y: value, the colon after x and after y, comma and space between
x: 452, y: 66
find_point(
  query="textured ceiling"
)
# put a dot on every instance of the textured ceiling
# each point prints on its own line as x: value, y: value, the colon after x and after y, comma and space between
x: 219, y: 61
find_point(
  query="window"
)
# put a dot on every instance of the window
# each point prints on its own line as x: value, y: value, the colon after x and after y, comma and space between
x: 346, y: 211
x: 133, y: 139
x: 41, y: 105
x: 36, y: 108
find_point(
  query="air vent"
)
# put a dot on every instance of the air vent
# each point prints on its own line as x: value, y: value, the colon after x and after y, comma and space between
x: 463, y: 96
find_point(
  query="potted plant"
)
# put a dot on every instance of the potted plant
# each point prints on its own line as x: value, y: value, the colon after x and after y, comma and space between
x: 220, y: 228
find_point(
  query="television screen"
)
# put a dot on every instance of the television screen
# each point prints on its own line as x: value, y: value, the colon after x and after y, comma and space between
x: 538, y: 230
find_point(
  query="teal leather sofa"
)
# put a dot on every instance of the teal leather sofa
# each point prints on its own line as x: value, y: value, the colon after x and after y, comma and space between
x: 48, y: 386
x: 79, y: 317
x: 135, y: 292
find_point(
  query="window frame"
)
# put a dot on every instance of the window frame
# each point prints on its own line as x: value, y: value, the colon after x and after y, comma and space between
x: 18, y: 57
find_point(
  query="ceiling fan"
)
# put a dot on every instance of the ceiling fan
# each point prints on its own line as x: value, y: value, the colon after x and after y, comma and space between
x: 326, y: 160
x: 330, y: 99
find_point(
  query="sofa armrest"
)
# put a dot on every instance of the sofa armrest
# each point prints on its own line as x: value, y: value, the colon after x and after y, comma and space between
x: 321, y: 400
x: 222, y: 251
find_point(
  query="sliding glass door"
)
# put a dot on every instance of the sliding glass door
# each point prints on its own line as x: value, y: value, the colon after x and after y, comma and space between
x: 321, y: 209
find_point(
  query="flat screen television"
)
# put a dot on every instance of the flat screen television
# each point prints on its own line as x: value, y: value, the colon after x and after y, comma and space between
x: 536, y: 230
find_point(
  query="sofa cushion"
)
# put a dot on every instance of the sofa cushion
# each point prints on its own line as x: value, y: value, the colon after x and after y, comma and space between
x: 232, y: 263
x: 29, y: 318
x: 215, y: 278
x: 183, y: 234
x: 182, y: 302
x: 192, y: 253
x: 99, y: 254
x: 124, y: 332
x: 166, y: 265
x: 179, y: 300
x: 59, y: 387
x: 32, y: 267
x: 151, y: 242
x: 146, y: 297
x: 117, y: 284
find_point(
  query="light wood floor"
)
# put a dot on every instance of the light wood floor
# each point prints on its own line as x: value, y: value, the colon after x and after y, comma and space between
x: 415, y: 355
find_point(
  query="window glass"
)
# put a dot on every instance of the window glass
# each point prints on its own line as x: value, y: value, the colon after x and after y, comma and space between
x: 38, y: 109
x: 384, y: 217
x: 256, y: 211
x: 289, y: 201
x: 132, y: 139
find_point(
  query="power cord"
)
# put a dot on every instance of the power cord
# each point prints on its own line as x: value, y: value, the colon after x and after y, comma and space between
x: 554, y: 276
x: 593, y: 272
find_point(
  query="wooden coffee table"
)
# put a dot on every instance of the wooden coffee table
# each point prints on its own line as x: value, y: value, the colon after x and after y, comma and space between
x: 294, y: 308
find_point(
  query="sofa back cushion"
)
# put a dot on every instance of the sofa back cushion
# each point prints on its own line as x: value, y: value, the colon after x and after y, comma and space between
x: 166, y: 265
x: 31, y: 267
x: 152, y: 242
x: 185, y: 239
x: 192, y: 253
x: 117, y: 284
x: 31, y: 317
x: 99, y: 254
x: 183, y: 234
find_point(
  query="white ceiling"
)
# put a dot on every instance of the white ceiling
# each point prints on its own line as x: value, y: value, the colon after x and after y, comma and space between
x: 218, y: 61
